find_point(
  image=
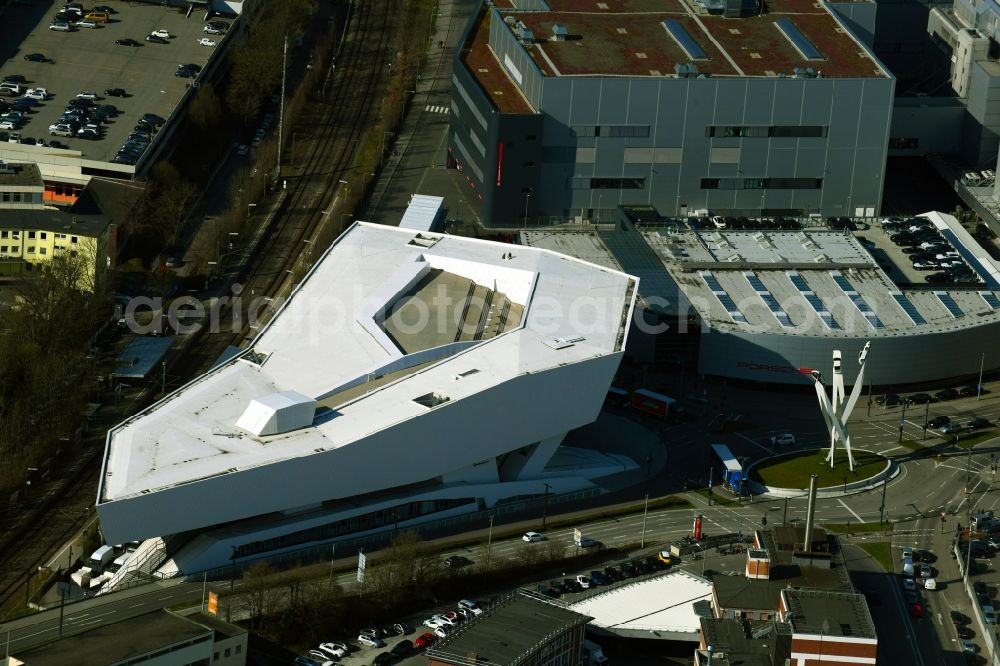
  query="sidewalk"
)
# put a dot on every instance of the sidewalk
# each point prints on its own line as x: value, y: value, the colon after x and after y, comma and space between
x: 417, y: 161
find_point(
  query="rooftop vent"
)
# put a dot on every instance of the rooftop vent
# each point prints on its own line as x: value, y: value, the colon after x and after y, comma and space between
x: 510, y: 20
x: 686, y: 70
x: 430, y: 400
x: 559, y: 33
x: 278, y: 413
x: 562, y: 343
x: 421, y: 240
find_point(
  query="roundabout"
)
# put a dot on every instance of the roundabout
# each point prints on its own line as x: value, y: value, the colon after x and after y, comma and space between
x: 790, y: 472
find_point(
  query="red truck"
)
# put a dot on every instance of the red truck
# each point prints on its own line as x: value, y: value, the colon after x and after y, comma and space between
x: 656, y: 404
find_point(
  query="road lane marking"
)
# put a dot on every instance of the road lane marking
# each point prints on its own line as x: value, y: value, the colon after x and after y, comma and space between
x: 860, y: 519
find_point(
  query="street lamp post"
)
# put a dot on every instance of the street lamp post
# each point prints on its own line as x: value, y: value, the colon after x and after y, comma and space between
x: 645, y: 510
x: 545, y: 506
x: 489, y: 543
x: 979, y: 385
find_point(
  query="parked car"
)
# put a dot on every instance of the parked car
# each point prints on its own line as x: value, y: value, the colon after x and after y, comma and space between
x: 470, y: 605
x: 597, y: 578
x: 152, y: 119
x: 127, y: 41
x: 963, y: 631
x: 951, y: 428
x: 909, y: 584
x: 87, y: 94
x: 61, y: 26
x: 888, y: 400
x: 37, y: 93
x: 35, y: 57
x: 583, y: 581
x: 161, y: 33
x: 115, y: 92
x: 205, y: 41
x: 402, y: 629
x: 156, y: 39
x: 333, y: 650
x: 193, y: 67
x: 370, y: 641
x: 958, y: 618
x: 665, y: 557
x: 87, y: 23
x: 586, y: 542
x: 532, y: 537
x: 402, y: 648
x: 920, y: 398
x: 425, y: 639
x: 383, y: 659
x: 212, y: 30
x: 185, y: 73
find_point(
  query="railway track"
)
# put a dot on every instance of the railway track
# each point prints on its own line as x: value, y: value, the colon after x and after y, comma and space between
x: 335, y: 125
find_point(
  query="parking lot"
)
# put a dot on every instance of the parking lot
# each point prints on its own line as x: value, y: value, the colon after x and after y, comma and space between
x: 901, y: 269
x: 89, y: 59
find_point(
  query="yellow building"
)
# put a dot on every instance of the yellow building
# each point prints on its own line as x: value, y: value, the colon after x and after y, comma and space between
x: 31, y: 234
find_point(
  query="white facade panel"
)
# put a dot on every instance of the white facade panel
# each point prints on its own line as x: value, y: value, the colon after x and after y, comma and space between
x: 519, y: 412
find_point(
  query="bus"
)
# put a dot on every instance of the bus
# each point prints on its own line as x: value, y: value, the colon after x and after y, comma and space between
x: 618, y: 397
x: 727, y: 465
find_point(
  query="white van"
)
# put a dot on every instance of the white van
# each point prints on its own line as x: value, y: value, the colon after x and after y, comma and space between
x: 100, y: 558
x: 930, y: 584
x: 119, y: 562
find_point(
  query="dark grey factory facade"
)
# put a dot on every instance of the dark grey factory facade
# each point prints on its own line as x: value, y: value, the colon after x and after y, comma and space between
x: 557, y: 118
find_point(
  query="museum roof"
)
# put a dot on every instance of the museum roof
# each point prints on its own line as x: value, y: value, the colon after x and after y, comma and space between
x: 335, y: 364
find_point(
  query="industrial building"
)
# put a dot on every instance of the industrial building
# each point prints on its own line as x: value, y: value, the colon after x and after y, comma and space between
x: 403, y: 346
x: 770, y: 306
x: 522, y: 629
x: 158, y: 638
x: 562, y: 111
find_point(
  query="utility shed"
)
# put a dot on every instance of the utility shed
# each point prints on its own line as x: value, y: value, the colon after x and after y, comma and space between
x: 424, y: 213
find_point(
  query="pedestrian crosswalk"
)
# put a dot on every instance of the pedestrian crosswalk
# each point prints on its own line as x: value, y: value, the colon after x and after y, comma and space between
x: 436, y: 109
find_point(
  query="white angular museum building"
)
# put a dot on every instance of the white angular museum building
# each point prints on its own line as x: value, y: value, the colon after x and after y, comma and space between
x: 410, y: 376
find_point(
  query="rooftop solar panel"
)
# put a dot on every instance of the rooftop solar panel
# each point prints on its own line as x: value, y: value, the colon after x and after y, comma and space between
x: 756, y: 283
x: 712, y: 282
x: 798, y: 40
x: 730, y: 305
x: 991, y: 299
x: 948, y: 302
x: 843, y: 283
x: 860, y: 303
x: 821, y: 310
x: 727, y: 302
x: 684, y: 40
x: 799, y: 282
x: 910, y: 309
